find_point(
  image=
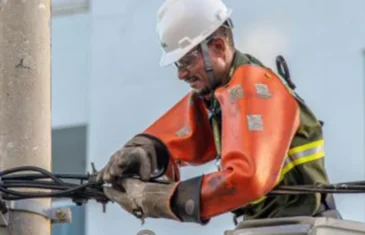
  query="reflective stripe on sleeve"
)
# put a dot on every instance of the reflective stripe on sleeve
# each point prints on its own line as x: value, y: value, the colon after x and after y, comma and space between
x: 297, y: 156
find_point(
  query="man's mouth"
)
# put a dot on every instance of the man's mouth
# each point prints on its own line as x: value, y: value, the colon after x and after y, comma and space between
x: 192, y: 79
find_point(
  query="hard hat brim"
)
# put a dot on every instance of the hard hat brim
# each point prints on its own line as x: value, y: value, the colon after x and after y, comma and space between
x: 169, y: 58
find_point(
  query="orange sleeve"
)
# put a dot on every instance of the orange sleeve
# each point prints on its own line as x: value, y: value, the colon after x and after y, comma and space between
x: 259, y: 120
x: 185, y: 132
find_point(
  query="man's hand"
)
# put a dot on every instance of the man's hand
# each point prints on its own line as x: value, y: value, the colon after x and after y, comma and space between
x: 143, y: 199
x: 137, y: 157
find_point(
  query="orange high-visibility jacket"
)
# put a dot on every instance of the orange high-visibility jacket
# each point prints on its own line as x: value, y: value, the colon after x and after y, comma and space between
x: 260, y: 121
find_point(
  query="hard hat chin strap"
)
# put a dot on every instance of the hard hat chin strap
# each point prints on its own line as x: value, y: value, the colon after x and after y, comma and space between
x: 213, y: 82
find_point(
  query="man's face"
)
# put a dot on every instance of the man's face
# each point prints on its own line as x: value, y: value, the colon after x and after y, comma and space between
x: 191, y: 67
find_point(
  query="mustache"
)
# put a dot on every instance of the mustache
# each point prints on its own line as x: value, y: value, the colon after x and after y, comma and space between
x: 191, y: 78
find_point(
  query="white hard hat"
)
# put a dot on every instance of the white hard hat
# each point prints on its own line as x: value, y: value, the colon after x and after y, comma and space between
x: 183, y: 24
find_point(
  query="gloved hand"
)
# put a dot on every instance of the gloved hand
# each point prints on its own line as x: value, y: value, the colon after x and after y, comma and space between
x: 143, y: 199
x: 137, y: 157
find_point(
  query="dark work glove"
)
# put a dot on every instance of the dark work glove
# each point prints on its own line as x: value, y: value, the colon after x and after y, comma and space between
x: 138, y: 157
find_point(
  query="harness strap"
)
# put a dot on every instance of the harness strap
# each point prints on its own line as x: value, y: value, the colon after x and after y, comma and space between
x: 217, y: 141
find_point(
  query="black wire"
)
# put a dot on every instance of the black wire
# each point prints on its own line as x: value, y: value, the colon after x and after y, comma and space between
x: 41, y: 176
x: 44, y: 183
x: 34, y: 185
x: 65, y: 192
x: 12, y: 198
x: 88, y: 188
x: 31, y: 168
x: 311, y: 191
x: 11, y: 179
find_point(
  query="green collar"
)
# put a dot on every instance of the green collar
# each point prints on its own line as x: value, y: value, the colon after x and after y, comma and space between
x: 239, y: 59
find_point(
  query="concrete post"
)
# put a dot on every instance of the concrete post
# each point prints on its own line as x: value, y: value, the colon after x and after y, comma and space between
x: 25, y: 97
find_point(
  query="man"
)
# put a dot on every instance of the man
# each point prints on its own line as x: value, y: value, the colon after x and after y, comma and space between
x: 238, y: 112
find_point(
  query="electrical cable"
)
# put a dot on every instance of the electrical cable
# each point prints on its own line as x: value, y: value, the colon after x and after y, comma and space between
x: 87, y: 188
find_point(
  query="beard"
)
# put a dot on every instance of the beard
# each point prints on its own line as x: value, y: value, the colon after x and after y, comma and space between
x: 204, y: 91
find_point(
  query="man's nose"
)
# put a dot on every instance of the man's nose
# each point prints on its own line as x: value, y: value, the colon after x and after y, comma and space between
x: 182, y: 73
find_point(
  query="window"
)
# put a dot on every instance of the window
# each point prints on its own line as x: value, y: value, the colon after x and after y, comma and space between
x: 69, y: 156
x: 61, y: 7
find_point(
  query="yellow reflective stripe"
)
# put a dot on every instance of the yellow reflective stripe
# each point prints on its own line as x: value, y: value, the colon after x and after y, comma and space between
x: 259, y: 200
x: 305, y: 147
x: 297, y: 156
x: 303, y: 154
x: 290, y: 165
x: 308, y: 158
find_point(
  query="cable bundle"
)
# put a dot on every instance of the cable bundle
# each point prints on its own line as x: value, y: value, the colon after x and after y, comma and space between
x: 88, y: 188
x: 346, y: 187
x: 80, y: 193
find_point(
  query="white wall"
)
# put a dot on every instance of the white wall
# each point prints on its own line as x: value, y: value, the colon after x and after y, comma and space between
x: 322, y: 41
x: 70, y: 69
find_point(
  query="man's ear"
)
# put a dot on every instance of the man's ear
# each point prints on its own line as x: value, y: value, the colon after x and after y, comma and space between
x: 219, y: 46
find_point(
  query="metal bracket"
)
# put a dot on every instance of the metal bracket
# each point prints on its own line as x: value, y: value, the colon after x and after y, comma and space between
x: 56, y: 215
x: 4, y: 218
x: 93, y: 178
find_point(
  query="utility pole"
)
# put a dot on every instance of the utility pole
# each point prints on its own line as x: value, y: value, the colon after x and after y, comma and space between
x: 25, y: 100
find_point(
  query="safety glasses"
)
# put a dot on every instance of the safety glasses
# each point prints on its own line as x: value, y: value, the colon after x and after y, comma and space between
x: 189, y: 60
